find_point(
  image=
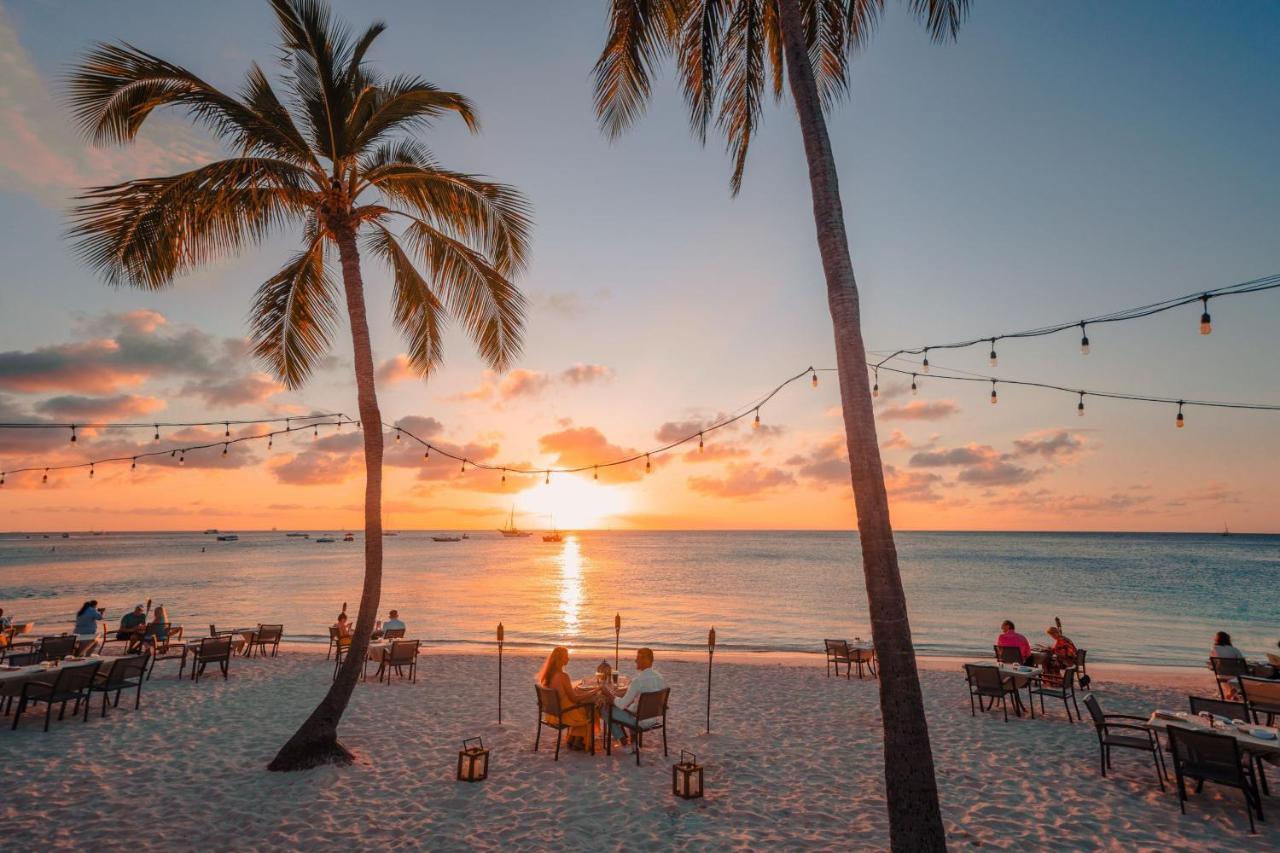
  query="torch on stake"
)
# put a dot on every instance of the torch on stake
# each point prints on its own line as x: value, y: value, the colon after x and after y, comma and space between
x: 617, y: 632
x: 711, y: 651
x: 500, y: 639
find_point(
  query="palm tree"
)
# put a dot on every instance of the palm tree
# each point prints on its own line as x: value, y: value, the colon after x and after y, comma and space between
x: 334, y: 158
x: 726, y: 53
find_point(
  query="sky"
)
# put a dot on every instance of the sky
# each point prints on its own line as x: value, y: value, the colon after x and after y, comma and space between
x: 1057, y: 161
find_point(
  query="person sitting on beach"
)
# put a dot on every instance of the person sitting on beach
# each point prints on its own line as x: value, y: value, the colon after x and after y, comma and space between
x: 553, y: 675
x: 1222, y: 648
x: 393, y: 623
x: 86, y: 628
x: 6, y: 622
x: 157, y: 631
x: 132, y: 624
x: 1061, y: 655
x: 1010, y: 637
x: 343, y: 626
x: 646, y: 680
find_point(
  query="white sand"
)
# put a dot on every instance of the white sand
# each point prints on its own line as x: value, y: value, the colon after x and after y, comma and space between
x: 794, y: 762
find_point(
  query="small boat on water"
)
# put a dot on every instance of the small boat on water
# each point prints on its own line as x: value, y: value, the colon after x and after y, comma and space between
x: 390, y: 533
x: 554, y: 535
x: 228, y: 537
x: 348, y: 538
x: 298, y: 535
x: 211, y: 530
x: 511, y: 531
x: 325, y: 539
x: 446, y: 538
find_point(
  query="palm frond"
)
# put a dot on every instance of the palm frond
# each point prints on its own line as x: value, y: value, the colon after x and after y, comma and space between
x: 147, y: 231
x: 294, y: 314
x: 744, y: 80
x: 699, y: 60
x: 772, y: 26
x: 317, y: 51
x: 401, y: 104
x: 116, y: 87
x: 478, y: 296
x: 360, y: 48
x: 641, y: 34
x: 416, y: 310
x: 941, y: 17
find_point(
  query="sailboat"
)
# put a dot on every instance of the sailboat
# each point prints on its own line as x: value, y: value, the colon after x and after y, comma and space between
x: 554, y: 535
x: 1225, y: 531
x: 511, y: 531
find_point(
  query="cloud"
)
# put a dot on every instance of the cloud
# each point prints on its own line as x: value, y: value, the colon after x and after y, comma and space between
x: 1050, y: 444
x: 312, y: 469
x: 578, y: 446
x: 996, y: 473
x: 396, y: 369
x: 920, y: 410
x: 522, y: 383
x: 911, y: 486
x: 43, y: 156
x: 824, y: 465
x: 235, y: 391
x: 743, y: 481
x: 896, y: 441
x: 569, y: 304
x: 970, y: 454
x: 715, y: 452
x: 1044, y: 501
x: 581, y: 374
x: 72, y: 407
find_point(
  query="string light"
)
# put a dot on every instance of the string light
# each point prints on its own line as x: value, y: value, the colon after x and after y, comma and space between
x: 595, y: 473
x: 1080, y: 406
x: 133, y: 464
x: 224, y: 449
x: 815, y: 379
x: 90, y: 470
x: 1, y: 478
x: 756, y: 423
x: 464, y: 466
x: 1084, y: 340
x: 915, y: 389
x: 875, y: 389
x: 315, y: 432
x: 397, y: 433
x: 648, y: 466
x: 1180, y: 422
x: 504, y: 476
x: 228, y: 432
x: 73, y: 433
x: 995, y: 398
x: 426, y: 454
x: 924, y: 365
x: 547, y: 481
x: 994, y: 361
x: 271, y: 440
x: 45, y: 478
x: 1206, y: 324
x: 157, y: 426
x: 182, y: 459
x: 700, y: 443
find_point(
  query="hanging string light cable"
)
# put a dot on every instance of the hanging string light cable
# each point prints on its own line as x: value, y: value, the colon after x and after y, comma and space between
x: 1269, y: 282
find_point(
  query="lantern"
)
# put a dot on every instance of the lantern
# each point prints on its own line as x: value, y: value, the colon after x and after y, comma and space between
x: 686, y: 777
x: 473, y: 761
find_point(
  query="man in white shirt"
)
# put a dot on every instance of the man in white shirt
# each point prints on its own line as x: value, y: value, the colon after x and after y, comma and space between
x: 646, y: 680
x: 393, y: 623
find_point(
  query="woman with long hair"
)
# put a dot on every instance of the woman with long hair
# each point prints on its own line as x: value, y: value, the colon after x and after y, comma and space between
x: 553, y: 675
x: 86, y: 629
x: 157, y: 630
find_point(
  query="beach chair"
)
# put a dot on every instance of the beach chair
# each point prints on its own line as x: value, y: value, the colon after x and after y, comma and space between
x: 1232, y: 711
x: 1113, y: 732
x: 172, y: 647
x: 1227, y: 670
x: 211, y: 650
x: 1262, y: 696
x: 1082, y: 670
x: 1209, y: 757
x: 333, y: 641
x: 72, y: 682
x: 342, y: 647
x: 266, y: 635
x: 111, y: 645
x: 651, y: 714
x: 987, y: 682
x: 121, y: 674
x: 549, y: 706
x: 1064, y: 691
x: 838, y: 653
x: 56, y: 648
x: 401, y: 654
x: 864, y: 658
x: 1008, y: 654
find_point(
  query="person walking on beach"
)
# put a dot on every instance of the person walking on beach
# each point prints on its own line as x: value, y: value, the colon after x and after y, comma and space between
x: 646, y: 680
x: 1010, y: 637
x: 86, y: 628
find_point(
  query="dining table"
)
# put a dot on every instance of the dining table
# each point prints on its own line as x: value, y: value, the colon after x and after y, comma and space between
x: 1267, y: 745
x: 12, y: 678
x: 1020, y: 677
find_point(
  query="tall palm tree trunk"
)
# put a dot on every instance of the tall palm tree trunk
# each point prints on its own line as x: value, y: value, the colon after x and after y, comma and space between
x: 316, y: 742
x: 915, y: 821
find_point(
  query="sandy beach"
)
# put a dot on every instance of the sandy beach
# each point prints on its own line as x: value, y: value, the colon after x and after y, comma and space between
x: 794, y: 762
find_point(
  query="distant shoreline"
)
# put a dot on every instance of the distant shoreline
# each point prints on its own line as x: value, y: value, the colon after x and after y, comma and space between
x: 5, y: 534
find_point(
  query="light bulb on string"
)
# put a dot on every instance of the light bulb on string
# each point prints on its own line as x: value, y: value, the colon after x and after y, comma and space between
x: 271, y: 440
x: 1084, y: 340
x: 228, y: 432
x: 756, y: 423
x: 994, y: 360
x: 1180, y: 422
x: 547, y: 481
x: 73, y: 433
x: 815, y: 379
x: 700, y: 443
x: 288, y: 427
x: 995, y: 398
x: 90, y: 470
x: 875, y: 389
x: 1, y: 478
x: 464, y: 466
x: 426, y: 454
x: 45, y: 478
x: 133, y: 464
x: 315, y: 432
x: 924, y: 365
x: 1080, y: 406
x: 504, y: 476
x: 224, y: 448
x: 915, y: 389
x: 157, y: 426
x: 182, y: 459
x: 595, y: 473
x: 1206, y: 324
x: 397, y: 433
x: 648, y: 466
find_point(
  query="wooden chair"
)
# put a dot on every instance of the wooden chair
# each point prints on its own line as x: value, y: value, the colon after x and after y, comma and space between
x: 393, y: 634
x: 865, y: 658
x: 1065, y: 691
x: 211, y: 650
x: 238, y: 641
x: 1082, y: 670
x: 121, y: 674
x: 342, y: 648
x: 401, y: 654
x: 549, y: 706
x: 838, y: 653
x: 1262, y: 696
x: 107, y: 646
x: 171, y: 647
x: 987, y: 682
x: 333, y: 641
x: 72, y: 682
x: 1008, y: 654
x: 1227, y: 671
x: 266, y: 635
x: 1210, y: 757
x: 1113, y: 731
x: 651, y: 714
x: 1231, y: 711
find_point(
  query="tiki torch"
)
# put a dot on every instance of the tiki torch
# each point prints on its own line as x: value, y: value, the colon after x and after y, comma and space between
x: 500, y: 638
x: 617, y: 632
x: 711, y: 650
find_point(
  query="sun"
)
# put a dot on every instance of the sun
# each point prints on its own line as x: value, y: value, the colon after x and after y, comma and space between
x: 571, y: 503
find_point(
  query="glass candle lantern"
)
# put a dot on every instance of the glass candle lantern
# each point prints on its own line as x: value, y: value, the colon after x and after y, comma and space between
x: 473, y: 761
x: 686, y: 777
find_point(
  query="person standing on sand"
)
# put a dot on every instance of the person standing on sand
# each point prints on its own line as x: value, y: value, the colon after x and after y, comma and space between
x: 646, y: 680
x: 1010, y: 637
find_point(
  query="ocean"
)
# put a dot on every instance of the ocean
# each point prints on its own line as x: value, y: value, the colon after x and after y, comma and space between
x: 1154, y: 598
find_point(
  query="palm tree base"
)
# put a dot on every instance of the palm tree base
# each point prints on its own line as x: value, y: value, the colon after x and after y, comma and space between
x: 304, y: 752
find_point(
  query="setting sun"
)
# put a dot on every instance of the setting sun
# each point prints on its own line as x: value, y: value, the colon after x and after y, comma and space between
x: 572, y: 503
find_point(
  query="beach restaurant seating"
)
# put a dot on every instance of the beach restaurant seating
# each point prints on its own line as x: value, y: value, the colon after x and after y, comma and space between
x: 238, y: 640
x: 333, y: 641
x: 838, y: 653
x: 1008, y: 654
x: 393, y: 634
x: 551, y: 715
x: 987, y: 682
x: 651, y: 714
x: 1232, y: 711
x: 1082, y: 669
x: 266, y: 635
x: 120, y: 674
x: 56, y: 648
x: 1066, y: 690
x: 1262, y: 696
x: 211, y: 650
x: 342, y: 647
x: 1209, y: 757
x: 1227, y: 670
x: 1113, y: 732
x: 171, y: 647
x: 401, y: 654
x: 71, y: 683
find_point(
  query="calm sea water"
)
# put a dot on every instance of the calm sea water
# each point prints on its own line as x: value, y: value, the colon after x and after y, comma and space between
x: 1125, y: 597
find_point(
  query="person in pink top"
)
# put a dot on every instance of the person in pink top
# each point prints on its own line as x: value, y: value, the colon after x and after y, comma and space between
x: 1010, y: 637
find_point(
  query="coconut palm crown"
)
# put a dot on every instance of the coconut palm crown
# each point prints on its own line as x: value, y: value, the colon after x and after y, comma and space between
x: 332, y: 156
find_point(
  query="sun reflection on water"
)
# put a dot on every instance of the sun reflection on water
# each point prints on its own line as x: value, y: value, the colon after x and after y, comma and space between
x: 570, y: 559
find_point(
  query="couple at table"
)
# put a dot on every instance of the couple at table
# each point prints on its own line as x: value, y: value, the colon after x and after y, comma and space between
x: 553, y: 675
